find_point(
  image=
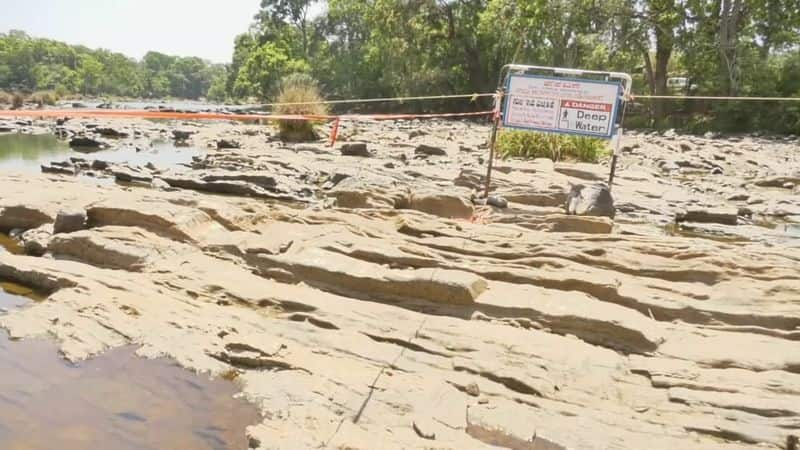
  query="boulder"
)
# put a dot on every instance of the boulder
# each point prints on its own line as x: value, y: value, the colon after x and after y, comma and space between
x: 590, y: 200
x: 429, y: 150
x: 68, y: 221
x: 355, y: 149
x: 35, y: 241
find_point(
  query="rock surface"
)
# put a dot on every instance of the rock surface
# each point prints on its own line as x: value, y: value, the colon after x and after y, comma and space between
x: 368, y: 300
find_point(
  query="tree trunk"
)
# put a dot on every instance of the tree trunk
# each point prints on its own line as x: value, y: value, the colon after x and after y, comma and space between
x: 730, y: 19
x: 664, y: 44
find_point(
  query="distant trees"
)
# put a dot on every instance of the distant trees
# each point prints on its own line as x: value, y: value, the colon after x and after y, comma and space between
x: 31, y: 64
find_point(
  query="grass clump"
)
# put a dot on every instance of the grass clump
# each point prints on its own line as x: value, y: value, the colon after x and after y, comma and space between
x: 41, y: 98
x: 17, y: 100
x: 557, y: 147
x: 299, y: 88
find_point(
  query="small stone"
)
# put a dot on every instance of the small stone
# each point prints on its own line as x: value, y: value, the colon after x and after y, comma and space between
x: 99, y: 165
x: 788, y: 185
x: 68, y: 221
x: 716, y: 171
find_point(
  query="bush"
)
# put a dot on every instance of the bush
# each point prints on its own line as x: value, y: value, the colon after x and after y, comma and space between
x: 17, y: 100
x: 42, y: 98
x: 528, y: 144
x: 299, y: 88
x: 5, y: 98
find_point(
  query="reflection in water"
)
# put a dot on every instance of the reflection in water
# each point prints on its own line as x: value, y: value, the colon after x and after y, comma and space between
x: 26, y: 153
x: 114, y: 401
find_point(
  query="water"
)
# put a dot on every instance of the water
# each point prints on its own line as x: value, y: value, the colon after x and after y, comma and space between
x: 26, y: 153
x: 116, y: 400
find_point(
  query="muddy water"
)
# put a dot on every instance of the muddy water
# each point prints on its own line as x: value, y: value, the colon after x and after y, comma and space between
x: 115, y: 401
x: 26, y: 153
x: 7, y: 244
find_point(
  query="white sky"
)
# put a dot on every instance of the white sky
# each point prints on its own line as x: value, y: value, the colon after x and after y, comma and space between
x: 204, y: 28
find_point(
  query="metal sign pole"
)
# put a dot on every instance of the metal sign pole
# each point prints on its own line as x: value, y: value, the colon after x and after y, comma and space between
x: 614, y: 155
x: 492, y: 141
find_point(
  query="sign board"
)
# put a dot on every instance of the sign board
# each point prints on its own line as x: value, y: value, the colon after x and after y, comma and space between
x: 562, y: 105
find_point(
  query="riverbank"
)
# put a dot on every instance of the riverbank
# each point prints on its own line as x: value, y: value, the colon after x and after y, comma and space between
x: 359, y: 295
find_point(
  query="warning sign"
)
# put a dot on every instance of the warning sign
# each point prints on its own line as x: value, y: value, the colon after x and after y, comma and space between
x: 561, y: 105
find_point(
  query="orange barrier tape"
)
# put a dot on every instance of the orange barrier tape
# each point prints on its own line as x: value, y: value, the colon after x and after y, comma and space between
x: 147, y: 114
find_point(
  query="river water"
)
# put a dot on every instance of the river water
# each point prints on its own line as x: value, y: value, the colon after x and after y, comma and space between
x: 27, y: 152
x: 114, y: 401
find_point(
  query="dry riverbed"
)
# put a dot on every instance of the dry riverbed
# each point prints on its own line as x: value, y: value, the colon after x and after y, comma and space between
x: 360, y: 298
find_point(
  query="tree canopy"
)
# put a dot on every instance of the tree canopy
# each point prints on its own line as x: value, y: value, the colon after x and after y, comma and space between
x: 370, y: 48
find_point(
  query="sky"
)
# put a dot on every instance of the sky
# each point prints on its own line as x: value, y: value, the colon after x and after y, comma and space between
x: 203, y: 28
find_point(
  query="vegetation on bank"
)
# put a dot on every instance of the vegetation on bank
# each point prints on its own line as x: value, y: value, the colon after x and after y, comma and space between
x: 525, y: 144
x: 387, y: 48
x: 28, y: 65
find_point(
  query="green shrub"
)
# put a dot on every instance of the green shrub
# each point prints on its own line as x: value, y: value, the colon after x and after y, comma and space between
x: 529, y: 144
x: 299, y: 88
x: 17, y: 100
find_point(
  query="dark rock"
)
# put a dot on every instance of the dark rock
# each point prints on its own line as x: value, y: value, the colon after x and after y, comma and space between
x: 429, y: 150
x: 777, y: 181
x: 685, y: 147
x: 86, y: 142
x: 105, y: 106
x: 590, y: 200
x: 61, y: 170
x: 227, y: 143
x: 77, y: 105
x: 68, y: 221
x: 724, y: 216
x: 740, y: 197
x: 355, y: 149
x: 111, y: 133
x: 99, y: 165
x: 389, y: 165
x: 182, y: 135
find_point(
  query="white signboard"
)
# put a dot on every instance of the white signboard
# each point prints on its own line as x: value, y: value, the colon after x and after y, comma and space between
x: 561, y: 105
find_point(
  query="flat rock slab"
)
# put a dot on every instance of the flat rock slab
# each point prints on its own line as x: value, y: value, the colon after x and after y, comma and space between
x: 342, y: 274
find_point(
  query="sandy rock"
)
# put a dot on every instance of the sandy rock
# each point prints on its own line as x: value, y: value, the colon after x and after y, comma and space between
x: 343, y: 274
x: 442, y: 205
